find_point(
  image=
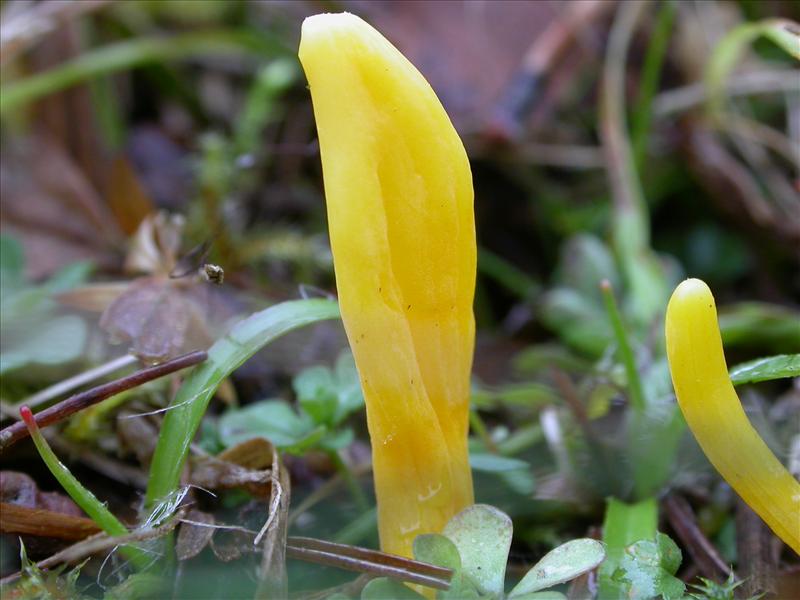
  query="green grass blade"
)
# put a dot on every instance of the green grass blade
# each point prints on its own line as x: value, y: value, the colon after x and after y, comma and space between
x: 88, y: 502
x: 728, y: 51
x: 651, y: 71
x: 227, y: 354
x: 635, y: 390
x: 125, y: 55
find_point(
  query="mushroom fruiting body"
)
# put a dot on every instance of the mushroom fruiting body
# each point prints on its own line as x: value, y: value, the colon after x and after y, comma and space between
x: 399, y: 198
x: 716, y: 417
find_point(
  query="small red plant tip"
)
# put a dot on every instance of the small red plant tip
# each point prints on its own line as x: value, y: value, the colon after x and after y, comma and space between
x: 605, y: 285
x: 27, y: 416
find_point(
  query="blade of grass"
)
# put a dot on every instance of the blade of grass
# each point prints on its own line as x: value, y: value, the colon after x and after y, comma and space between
x: 653, y: 61
x: 507, y: 275
x: 782, y: 32
x: 635, y: 390
x: 88, y: 502
x: 132, y: 53
x: 623, y: 525
x: 630, y: 227
x: 227, y: 354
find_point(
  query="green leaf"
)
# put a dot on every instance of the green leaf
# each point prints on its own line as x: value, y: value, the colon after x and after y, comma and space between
x: 384, y: 588
x: 670, y: 553
x: 57, y: 341
x: 647, y: 570
x: 316, y: 392
x: 439, y: 550
x: 482, y: 534
x: 329, y: 396
x: 337, y: 439
x: 767, y: 368
x: 711, y: 590
x: 561, y: 564
x: 12, y: 265
x: 579, y: 321
x: 585, y: 261
x: 68, y: 277
x: 516, y: 473
x: 348, y: 386
x: 225, y: 355
x: 548, y: 595
x: 272, y: 419
x: 624, y: 524
x: 769, y: 327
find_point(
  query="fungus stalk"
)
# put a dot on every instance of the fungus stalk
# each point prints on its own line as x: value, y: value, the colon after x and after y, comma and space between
x: 399, y: 199
x: 716, y: 417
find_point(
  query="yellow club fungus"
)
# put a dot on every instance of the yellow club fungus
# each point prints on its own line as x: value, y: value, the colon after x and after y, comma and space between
x: 399, y: 198
x: 716, y: 417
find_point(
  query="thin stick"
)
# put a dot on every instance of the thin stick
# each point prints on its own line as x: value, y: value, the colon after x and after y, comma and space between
x: 363, y: 560
x: 683, y: 521
x: 635, y: 390
x: 57, y: 412
x: 67, y: 385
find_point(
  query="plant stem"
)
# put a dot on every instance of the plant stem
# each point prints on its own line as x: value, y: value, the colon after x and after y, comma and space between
x: 351, y: 481
x: 653, y: 61
x: 88, y: 502
x: 637, y: 398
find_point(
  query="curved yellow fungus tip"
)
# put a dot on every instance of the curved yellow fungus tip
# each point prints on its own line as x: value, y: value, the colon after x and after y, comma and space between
x: 399, y: 196
x: 716, y: 417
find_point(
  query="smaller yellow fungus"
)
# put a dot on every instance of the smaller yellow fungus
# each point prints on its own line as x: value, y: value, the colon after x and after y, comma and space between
x: 716, y: 417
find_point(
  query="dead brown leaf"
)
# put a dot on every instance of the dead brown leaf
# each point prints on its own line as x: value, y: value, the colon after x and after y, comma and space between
x: 197, y: 529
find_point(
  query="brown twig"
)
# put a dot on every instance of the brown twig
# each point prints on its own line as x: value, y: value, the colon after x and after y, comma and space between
x: 682, y: 519
x: 757, y: 561
x: 78, y: 402
x: 372, y: 562
x: 67, y: 385
x: 677, y: 100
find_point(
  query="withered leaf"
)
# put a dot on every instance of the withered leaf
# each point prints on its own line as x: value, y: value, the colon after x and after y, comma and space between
x: 192, y: 539
x: 158, y: 318
x: 242, y: 466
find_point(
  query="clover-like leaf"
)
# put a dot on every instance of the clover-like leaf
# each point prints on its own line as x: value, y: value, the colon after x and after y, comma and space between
x: 384, y: 588
x: 546, y: 595
x: 438, y: 550
x: 561, y: 564
x: 272, y: 419
x: 482, y: 534
x: 647, y: 567
x: 329, y: 396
